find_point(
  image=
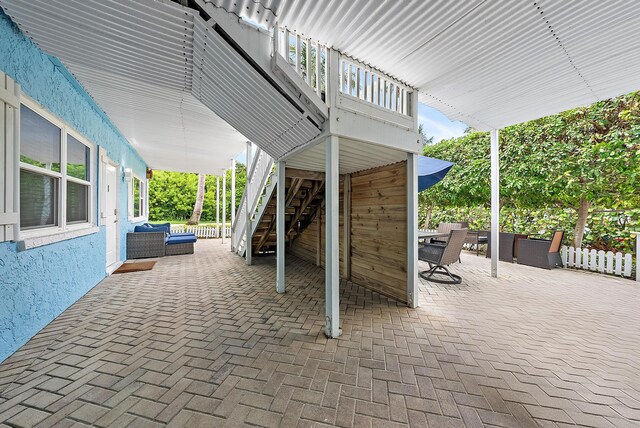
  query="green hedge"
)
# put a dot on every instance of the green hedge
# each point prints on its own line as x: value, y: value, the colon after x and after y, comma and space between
x: 172, y: 195
x: 606, y: 229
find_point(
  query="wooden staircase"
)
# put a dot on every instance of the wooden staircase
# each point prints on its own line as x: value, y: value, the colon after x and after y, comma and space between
x: 305, y: 198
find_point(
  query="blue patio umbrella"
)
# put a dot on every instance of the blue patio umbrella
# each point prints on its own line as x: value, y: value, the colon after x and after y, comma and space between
x: 431, y: 171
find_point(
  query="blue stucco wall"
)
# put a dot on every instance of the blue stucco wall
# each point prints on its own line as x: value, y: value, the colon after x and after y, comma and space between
x: 38, y: 284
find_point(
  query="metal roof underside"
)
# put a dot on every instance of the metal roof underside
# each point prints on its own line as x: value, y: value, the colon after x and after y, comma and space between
x: 487, y: 63
x: 353, y: 156
x: 184, y: 98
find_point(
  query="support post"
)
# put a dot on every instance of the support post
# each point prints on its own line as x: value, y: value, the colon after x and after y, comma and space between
x: 247, y: 210
x: 346, y: 221
x: 233, y: 200
x: 280, y: 227
x: 217, y: 207
x: 495, y: 201
x: 224, y: 204
x: 412, y: 230
x: 637, y: 254
x: 332, y: 256
x: 319, y: 240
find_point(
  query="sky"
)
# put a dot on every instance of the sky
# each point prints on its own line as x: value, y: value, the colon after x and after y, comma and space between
x: 437, y: 125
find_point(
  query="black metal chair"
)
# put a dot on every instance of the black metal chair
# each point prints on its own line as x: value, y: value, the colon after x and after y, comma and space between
x: 439, y: 256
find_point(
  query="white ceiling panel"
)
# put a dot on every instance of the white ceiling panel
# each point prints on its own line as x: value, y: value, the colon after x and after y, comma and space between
x: 487, y: 63
x: 169, y: 128
x: 353, y: 156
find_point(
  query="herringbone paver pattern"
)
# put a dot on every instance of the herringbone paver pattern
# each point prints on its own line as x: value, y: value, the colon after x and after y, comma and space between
x: 203, y: 340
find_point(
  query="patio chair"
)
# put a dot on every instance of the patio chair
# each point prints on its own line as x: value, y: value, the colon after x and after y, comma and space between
x: 448, y: 227
x: 541, y: 253
x: 475, y: 238
x: 439, y: 256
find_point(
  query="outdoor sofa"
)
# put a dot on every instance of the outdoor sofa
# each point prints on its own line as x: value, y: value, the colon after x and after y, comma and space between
x: 542, y: 253
x: 156, y: 240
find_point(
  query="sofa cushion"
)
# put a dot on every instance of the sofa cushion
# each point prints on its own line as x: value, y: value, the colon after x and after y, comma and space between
x: 184, y: 234
x: 164, y: 226
x: 180, y: 239
x: 147, y: 228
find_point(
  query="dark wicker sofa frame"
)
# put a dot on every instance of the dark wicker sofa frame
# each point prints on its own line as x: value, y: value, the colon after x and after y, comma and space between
x: 142, y: 245
x: 541, y: 253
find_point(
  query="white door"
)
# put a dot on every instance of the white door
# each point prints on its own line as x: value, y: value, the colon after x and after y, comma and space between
x: 111, y: 213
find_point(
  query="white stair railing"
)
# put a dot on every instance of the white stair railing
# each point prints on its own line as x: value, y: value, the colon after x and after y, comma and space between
x: 307, y: 57
x: 257, y: 178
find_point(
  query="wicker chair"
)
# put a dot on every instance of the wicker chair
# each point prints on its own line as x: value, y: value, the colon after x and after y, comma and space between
x: 439, y: 256
x: 448, y: 227
x: 475, y: 238
x: 541, y: 253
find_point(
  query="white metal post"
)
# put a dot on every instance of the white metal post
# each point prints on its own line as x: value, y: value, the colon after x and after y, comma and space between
x: 280, y: 225
x: 247, y: 211
x: 224, y: 204
x: 412, y: 230
x: 217, y: 207
x: 495, y: 201
x: 637, y: 254
x: 332, y: 251
x: 233, y: 200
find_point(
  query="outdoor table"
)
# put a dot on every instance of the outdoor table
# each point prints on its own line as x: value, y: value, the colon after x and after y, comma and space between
x: 424, y: 236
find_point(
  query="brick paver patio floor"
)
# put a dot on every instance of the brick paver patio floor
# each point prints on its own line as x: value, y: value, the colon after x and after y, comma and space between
x: 203, y: 340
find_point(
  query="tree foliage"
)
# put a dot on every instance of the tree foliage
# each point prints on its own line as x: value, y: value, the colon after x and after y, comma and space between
x: 587, y: 157
x: 172, y: 195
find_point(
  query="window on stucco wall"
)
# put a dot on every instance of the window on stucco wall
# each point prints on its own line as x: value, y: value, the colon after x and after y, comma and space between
x: 137, y: 199
x: 55, y: 174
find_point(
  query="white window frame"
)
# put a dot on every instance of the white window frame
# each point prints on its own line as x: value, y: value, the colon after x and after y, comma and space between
x: 144, y: 197
x: 63, y: 229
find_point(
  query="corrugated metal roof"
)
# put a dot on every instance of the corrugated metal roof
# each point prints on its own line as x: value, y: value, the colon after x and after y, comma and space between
x: 175, y: 99
x: 229, y: 85
x: 262, y: 12
x: 136, y: 60
x: 488, y: 63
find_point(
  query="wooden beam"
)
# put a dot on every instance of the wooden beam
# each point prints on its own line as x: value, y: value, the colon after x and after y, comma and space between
x: 301, y: 173
x: 304, y: 204
x: 293, y: 189
x: 296, y: 183
x: 266, y: 234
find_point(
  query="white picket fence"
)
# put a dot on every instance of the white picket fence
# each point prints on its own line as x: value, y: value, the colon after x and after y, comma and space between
x: 598, y: 261
x: 200, y: 231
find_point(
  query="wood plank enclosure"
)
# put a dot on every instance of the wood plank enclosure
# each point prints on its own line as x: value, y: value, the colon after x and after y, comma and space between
x: 378, y: 231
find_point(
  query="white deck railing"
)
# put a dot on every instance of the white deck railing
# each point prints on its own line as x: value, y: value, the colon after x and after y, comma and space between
x: 620, y: 264
x: 310, y: 58
x: 361, y: 81
x: 201, y: 231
